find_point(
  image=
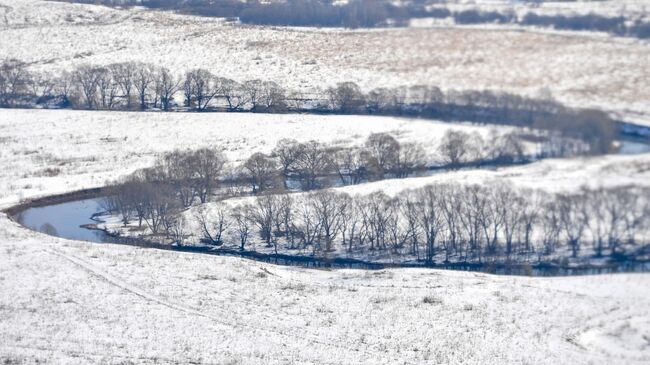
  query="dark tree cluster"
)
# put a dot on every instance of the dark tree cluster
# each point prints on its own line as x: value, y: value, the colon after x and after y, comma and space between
x: 322, y: 13
x: 15, y: 84
x: 179, y: 179
x: 439, y: 223
x: 619, y: 25
x: 134, y: 85
x: 377, y: 13
x: 313, y: 165
x: 455, y: 223
x: 595, y: 129
x: 154, y: 196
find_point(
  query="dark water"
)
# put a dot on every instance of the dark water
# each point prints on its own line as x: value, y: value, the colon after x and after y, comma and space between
x: 65, y: 220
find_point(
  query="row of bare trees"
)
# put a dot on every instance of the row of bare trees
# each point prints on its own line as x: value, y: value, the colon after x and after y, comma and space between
x: 136, y: 85
x: 313, y: 165
x: 595, y: 129
x: 179, y: 179
x: 439, y: 223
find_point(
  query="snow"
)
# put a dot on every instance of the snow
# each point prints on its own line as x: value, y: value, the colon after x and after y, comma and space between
x: 576, y: 68
x: 552, y: 175
x: 90, y: 148
x: 69, y: 302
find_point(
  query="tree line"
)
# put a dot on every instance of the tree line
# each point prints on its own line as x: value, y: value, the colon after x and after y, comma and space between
x: 617, y: 25
x: 142, y: 86
x: 440, y: 222
x: 379, y: 13
x: 436, y: 223
x: 179, y: 179
x: 321, y: 13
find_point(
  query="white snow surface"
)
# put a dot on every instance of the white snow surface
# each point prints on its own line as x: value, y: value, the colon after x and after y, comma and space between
x: 90, y: 148
x: 577, y: 68
x: 70, y: 302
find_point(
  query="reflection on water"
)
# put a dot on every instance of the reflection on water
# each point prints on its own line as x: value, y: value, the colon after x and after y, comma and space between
x: 65, y: 220
x: 633, y: 148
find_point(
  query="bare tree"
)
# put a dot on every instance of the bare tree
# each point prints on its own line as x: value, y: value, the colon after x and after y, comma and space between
x: 530, y: 205
x: 159, y: 206
x: 614, y: 205
x: 107, y: 88
x: 453, y: 205
x: 431, y: 215
x: 175, y: 230
x: 385, y: 149
x: 261, y: 170
x: 273, y: 97
x: 375, y: 211
x: 551, y: 225
x: 213, y: 223
x: 573, y: 219
x: 64, y: 88
x: 285, y: 225
x: 204, y: 87
x: 234, y: 93
x: 506, y: 148
x: 263, y: 214
x: 314, y: 161
x: 240, y: 216
x: 87, y: 78
x: 309, y: 224
x: 178, y: 168
x: 354, y: 165
x: 288, y: 152
x: 327, y: 204
x: 14, y: 79
x: 41, y: 86
x: 124, y: 74
x: 352, y: 223
x: 510, y: 206
x: 208, y: 165
x: 167, y: 85
x: 143, y: 78
x: 410, y: 205
x: 410, y: 158
x: 455, y: 147
x: 347, y: 98
x: 477, y: 217
x: 253, y: 90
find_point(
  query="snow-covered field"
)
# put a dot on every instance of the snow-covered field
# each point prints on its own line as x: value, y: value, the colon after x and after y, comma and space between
x: 74, y: 302
x: 53, y: 151
x: 577, y: 68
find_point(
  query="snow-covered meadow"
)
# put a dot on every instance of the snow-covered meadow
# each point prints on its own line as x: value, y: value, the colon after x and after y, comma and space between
x: 64, y: 301
x: 53, y: 151
x: 71, y: 302
x: 74, y: 302
x: 576, y: 68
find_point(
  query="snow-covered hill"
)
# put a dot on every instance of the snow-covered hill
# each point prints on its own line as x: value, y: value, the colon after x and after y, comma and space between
x: 580, y: 69
x: 68, y: 302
